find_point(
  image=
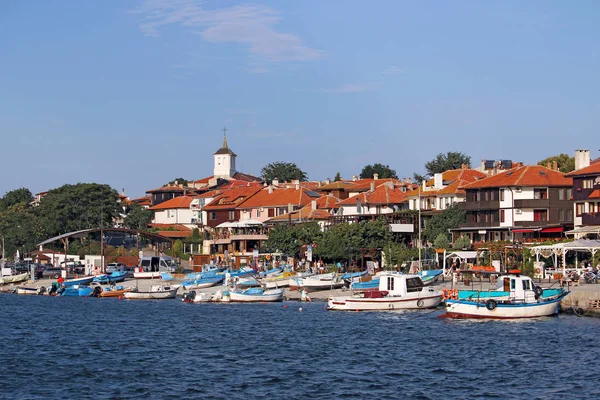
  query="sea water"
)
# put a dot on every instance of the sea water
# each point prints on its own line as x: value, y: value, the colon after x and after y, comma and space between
x: 89, y: 348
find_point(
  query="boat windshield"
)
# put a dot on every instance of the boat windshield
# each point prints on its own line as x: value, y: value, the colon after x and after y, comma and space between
x: 414, y: 284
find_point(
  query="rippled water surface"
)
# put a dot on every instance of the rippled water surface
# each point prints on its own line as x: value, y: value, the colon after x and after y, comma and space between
x: 86, y: 348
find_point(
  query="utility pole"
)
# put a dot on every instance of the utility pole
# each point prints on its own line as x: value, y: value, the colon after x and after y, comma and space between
x: 419, y: 227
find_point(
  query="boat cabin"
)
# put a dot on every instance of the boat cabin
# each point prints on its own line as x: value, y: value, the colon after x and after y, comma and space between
x: 400, y: 285
x: 519, y: 286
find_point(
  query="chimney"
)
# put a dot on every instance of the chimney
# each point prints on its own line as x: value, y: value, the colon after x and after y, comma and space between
x: 464, y: 166
x: 582, y: 159
x: 313, y: 204
x: 375, y: 176
x: 297, y: 186
x: 390, y: 184
x: 275, y: 182
x: 372, y: 186
x: 270, y: 189
x: 555, y: 165
x: 176, y: 183
x: 549, y: 165
x: 327, y: 181
x: 296, y: 181
x: 123, y: 192
x: 354, y: 177
x: 438, y: 182
x: 407, y: 180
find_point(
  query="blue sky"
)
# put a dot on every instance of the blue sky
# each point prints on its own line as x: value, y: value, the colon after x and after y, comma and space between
x: 135, y: 93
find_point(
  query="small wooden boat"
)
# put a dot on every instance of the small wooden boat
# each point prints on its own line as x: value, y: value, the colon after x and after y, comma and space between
x: 278, y: 281
x: 198, y: 297
x: 256, y: 295
x: 155, y: 292
x: 515, y: 296
x: 14, y: 278
x: 396, y: 292
x: 84, y: 280
x: 29, y: 290
x: 109, y: 291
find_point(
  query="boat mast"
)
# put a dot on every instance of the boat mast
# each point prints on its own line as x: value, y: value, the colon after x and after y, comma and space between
x: 419, y: 244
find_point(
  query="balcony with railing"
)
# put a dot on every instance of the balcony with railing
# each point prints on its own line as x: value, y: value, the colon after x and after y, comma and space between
x: 590, y: 218
x: 532, y: 203
x: 479, y: 205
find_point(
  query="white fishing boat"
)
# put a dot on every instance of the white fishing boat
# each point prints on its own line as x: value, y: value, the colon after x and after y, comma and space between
x: 278, y: 281
x: 396, y: 292
x: 30, y: 290
x: 13, y: 278
x: 515, y: 296
x: 255, y: 295
x: 198, y: 297
x: 155, y: 292
x: 321, y: 282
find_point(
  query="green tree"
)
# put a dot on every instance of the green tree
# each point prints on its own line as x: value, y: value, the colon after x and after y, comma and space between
x: 441, y: 241
x: 283, y: 171
x: 75, y: 207
x: 337, y: 178
x: 289, y: 239
x: 384, y: 171
x: 441, y: 223
x: 17, y: 196
x: 564, y: 161
x: 462, y: 242
x: 138, y: 217
x: 444, y: 162
x: 344, y: 241
x: 19, y: 228
x: 180, y: 181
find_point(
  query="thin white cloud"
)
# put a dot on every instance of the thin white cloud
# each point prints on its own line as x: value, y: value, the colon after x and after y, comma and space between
x: 251, y: 26
x: 352, y: 88
x: 393, y: 70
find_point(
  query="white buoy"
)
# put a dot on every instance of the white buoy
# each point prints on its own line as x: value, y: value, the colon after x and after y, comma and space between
x: 300, y: 309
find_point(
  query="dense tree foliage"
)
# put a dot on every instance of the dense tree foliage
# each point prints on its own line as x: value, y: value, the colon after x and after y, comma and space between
x: 283, y: 171
x: 444, y: 162
x: 179, y: 181
x: 138, y: 217
x: 462, y: 242
x: 441, y: 223
x: 338, y: 177
x: 14, y: 197
x: 289, y: 239
x: 564, y: 161
x: 384, y: 171
x: 74, y: 207
x: 345, y: 240
x: 19, y: 228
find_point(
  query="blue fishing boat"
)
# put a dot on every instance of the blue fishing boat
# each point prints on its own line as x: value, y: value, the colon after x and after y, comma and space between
x: 368, y: 286
x: 515, y: 296
x: 202, y: 283
x: 76, y: 291
x: 114, y: 277
x: 255, y: 295
x: 86, y: 280
x: 431, y: 276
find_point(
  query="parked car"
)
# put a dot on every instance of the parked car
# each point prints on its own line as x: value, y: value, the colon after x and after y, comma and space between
x: 112, y: 267
x: 52, y: 272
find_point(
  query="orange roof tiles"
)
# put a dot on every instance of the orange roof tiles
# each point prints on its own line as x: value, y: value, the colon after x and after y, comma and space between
x: 233, y: 198
x: 169, y: 188
x: 327, y: 202
x: 305, y: 213
x: 527, y: 175
x: 382, y: 194
x: 177, y: 202
x: 593, y: 169
x: 280, y: 198
x: 595, y: 194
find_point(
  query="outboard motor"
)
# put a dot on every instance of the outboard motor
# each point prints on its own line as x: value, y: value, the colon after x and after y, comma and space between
x: 53, y: 289
x: 190, y: 296
x: 42, y: 290
x: 96, y: 292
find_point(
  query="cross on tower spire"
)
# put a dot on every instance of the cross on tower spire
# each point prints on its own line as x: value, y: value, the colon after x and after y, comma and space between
x: 225, y: 138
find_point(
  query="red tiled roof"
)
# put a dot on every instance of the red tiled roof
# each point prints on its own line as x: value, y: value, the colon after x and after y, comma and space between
x: 246, y: 177
x: 382, y: 194
x: 171, y: 227
x: 204, y: 180
x: 527, y: 175
x: 305, y: 213
x: 595, y: 194
x: 365, y: 184
x: 209, y: 194
x: 175, y: 234
x: 280, y: 198
x: 170, y: 188
x: 233, y: 198
x: 176, y: 202
x: 593, y: 169
x: 327, y: 202
x: 468, y: 175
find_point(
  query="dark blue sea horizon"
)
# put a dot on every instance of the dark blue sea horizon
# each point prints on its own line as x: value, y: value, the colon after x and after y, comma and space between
x: 87, y: 348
